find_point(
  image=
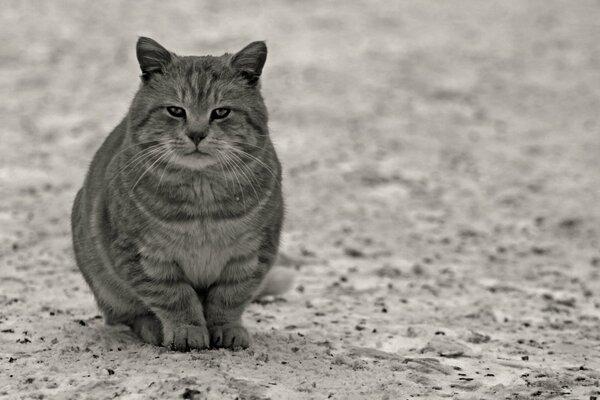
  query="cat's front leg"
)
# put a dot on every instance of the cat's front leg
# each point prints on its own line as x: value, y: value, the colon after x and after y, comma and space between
x: 225, y: 302
x: 163, y: 288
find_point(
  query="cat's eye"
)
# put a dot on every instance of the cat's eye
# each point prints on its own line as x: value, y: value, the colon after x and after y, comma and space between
x: 176, y: 112
x: 219, y: 113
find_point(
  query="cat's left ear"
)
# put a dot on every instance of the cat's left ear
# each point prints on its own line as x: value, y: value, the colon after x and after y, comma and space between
x: 250, y: 61
x: 152, y: 57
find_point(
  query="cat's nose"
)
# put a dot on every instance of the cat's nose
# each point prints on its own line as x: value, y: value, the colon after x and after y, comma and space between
x: 196, y: 136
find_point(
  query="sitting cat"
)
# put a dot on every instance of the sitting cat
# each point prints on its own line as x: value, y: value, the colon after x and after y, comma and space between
x: 177, y: 224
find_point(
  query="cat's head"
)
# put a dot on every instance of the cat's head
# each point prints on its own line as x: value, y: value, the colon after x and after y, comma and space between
x: 199, y: 111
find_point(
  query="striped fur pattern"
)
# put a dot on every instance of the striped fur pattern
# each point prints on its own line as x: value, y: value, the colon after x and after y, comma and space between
x: 178, y: 220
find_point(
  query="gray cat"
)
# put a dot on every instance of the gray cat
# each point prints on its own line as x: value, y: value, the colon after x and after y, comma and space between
x: 177, y: 224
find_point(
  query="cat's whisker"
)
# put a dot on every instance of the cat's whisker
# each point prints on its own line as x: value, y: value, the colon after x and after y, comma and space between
x: 136, y: 144
x: 138, y: 157
x: 171, y: 155
x: 162, y: 157
x: 244, y: 168
x: 255, y: 182
x: 220, y: 162
x: 228, y: 162
x: 141, y: 162
x: 145, y: 154
x: 131, y: 166
x: 244, y: 143
x: 229, y: 170
x: 265, y: 166
x: 150, y: 163
x: 236, y: 175
x: 142, y: 152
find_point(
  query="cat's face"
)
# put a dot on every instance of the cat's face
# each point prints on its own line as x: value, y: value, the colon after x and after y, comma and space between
x: 199, y: 111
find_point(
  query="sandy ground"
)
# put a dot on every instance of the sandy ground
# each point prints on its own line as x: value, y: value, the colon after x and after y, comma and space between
x: 443, y: 190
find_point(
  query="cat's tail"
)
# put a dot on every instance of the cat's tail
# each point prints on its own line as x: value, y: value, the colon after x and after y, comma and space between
x: 278, y: 281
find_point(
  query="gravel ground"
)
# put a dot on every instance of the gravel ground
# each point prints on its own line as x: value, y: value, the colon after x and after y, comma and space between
x: 443, y: 190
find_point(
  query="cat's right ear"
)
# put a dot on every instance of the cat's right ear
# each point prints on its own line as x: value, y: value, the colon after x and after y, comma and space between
x: 153, y: 58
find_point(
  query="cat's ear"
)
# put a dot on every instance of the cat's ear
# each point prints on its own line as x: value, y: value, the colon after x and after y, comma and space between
x: 250, y: 61
x: 152, y: 57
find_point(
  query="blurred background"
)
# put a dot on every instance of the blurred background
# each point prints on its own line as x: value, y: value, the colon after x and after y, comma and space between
x: 440, y: 163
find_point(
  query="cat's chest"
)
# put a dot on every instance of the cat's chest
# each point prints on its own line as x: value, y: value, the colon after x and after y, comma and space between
x: 202, y: 250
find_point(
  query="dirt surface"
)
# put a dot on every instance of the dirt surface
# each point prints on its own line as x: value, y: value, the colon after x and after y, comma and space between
x: 442, y: 181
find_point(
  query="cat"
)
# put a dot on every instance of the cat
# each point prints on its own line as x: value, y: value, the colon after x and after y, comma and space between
x: 178, y: 222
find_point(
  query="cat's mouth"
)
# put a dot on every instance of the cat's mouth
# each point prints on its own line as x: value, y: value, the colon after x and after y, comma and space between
x: 197, y: 153
x: 194, y: 159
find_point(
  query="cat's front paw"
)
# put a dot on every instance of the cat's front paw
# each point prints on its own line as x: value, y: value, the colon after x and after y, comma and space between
x: 148, y: 328
x: 188, y: 337
x: 230, y: 336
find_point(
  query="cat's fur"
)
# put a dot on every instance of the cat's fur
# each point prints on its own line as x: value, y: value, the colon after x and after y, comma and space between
x: 178, y: 221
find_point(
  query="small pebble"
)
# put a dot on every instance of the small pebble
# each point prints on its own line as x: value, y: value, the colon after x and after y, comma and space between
x: 190, y: 393
x: 352, y: 252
